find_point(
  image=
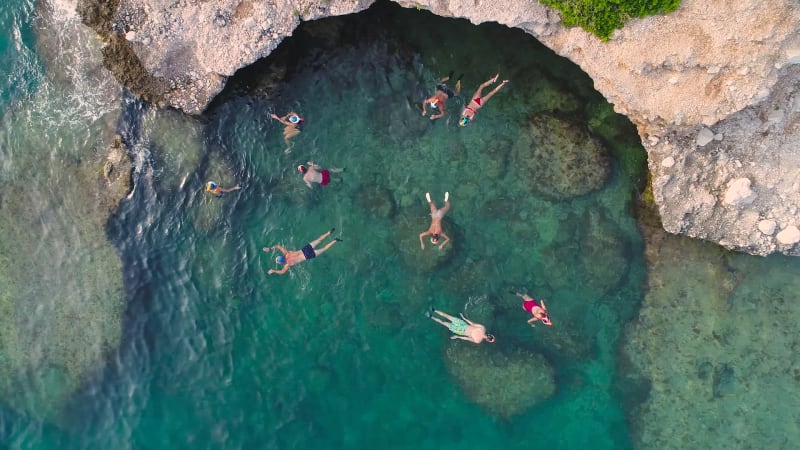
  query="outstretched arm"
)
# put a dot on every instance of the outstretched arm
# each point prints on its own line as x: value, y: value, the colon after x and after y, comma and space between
x: 424, y: 111
x: 279, y: 272
x: 461, y: 337
x: 277, y: 247
x: 235, y: 188
x: 446, y: 240
x: 282, y: 119
x: 422, y: 235
x: 441, y: 112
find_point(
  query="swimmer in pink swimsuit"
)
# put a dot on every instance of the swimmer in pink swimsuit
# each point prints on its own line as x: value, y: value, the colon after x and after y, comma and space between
x: 539, y: 312
x: 468, y: 113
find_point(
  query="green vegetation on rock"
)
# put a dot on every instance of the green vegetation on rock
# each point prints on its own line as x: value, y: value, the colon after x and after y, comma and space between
x: 602, y: 17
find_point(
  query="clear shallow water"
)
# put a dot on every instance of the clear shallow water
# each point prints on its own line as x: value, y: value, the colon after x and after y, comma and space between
x: 214, y: 353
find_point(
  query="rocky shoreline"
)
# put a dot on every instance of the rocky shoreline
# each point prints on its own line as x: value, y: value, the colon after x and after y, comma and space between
x: 712, y: 89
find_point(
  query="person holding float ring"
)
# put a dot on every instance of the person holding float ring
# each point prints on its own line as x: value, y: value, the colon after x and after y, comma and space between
x: 292, y: 122
x: 217, y: 190
x: 468, y: 113
x: 435, y: 229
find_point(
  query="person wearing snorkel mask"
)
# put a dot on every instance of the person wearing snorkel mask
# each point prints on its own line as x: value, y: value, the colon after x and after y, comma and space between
x: 288, y: 258
x: 537, y: 309
x: 435, y: 230
x: 217, y: 190
x: 478, y: 100
x: 292, y: 122
x: 443, y: 93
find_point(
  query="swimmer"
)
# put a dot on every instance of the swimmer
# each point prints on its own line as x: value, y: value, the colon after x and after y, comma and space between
x: 537, y: 309
x: 468, y: 113
x: 217, y: 190
x: 443, y: 93
x: 435, y: 230
x: 462, y: 328
x: 290, y: 258
x: 292, y: 122
x: 313, y: 173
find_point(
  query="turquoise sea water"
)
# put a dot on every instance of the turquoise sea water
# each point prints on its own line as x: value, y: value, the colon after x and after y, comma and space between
x: 214, y: 353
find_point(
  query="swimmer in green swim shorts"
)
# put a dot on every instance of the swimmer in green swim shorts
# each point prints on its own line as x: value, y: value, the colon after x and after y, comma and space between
x: 462, y: 328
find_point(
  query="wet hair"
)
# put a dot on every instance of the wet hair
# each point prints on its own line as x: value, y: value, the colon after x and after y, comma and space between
x: 434, y: 238
x: 302, y: 168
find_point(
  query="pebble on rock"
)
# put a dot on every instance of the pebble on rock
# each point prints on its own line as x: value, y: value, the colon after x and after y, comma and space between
x: 704, y: 136
x: 767, y: 227
x: 738, y: 192
x: 668, y: 162
x: 789, y: 235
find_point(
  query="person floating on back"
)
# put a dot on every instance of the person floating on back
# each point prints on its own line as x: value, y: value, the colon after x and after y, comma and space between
x: 316, y: 174
x: 290, y: 258
x: 443, y: 93
x: 537, y: 310
x: 462, y: 328
x: 292, y: 122
x: 435, y: 230
x: 217, y: 190
x: 468, y: 113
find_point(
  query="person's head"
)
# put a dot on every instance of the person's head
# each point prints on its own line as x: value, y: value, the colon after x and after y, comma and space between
x: 295, y: 119
x: 466, y: 117
x: 280, y: 259
x: 434, y: 239
x: 302, y: 169
x: 490, y: 338
x: 546, y: 320
x: 211, y: 186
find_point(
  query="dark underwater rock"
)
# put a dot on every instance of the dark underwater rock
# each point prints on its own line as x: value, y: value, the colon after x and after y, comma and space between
x: 560, y: 159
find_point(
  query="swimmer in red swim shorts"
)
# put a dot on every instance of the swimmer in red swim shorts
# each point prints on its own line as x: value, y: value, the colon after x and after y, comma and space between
x: 316, y: 174
x: 537, y: 310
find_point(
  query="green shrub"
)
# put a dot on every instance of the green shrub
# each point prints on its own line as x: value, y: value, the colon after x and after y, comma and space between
x: 602, y: 17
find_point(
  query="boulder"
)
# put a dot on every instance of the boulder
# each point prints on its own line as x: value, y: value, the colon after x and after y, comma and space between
x: 505, y: 384
x: 559, y: 159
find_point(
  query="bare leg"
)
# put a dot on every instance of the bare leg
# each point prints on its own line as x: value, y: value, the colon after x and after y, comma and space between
x: 490, y: 94
x: 327, y: 246
x: 445, y: 209
x: 316, y: 241
x: 441, y: 321
x: 483, y: 86
x: 445, y: 315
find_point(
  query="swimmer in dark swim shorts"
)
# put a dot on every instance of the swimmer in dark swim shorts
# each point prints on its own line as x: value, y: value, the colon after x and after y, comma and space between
x: 443, y: 93
x: 290, y: 258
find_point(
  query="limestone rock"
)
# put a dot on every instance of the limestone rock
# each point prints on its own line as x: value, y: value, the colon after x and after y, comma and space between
x: 670, y: 74
x: 704, y: 137
x: 738, y: 192
x: 767, y: 227
x: 789, y: 235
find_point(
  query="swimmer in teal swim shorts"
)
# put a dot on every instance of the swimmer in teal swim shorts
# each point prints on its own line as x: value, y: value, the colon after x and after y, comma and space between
x: 462, y: 328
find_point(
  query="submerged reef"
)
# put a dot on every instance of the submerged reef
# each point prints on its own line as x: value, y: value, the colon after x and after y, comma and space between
x: 505, y: 384
x: 559, y: 159
x: 717, y: 347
